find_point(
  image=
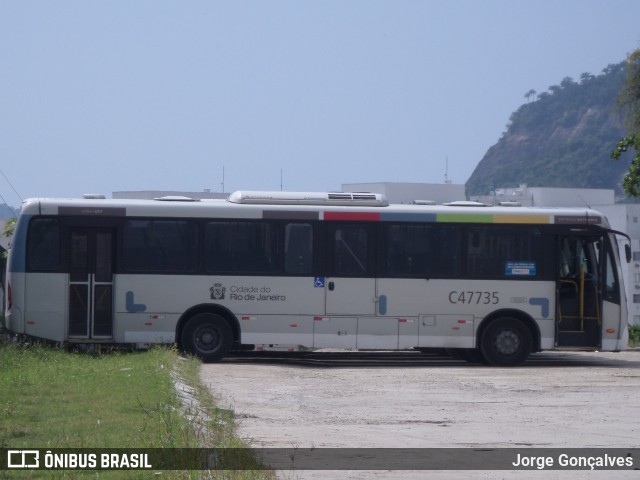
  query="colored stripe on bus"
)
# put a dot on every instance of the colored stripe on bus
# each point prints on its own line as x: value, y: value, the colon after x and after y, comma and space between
x: 354, y: 216
x: 464, y: 218
x: 408, y: 217
x: 521, y: 219
x: 437, y: 217
x: 490, y: 218
x: 290, y: 215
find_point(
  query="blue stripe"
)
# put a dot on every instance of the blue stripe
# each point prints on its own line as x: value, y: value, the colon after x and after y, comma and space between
x: 408, y: 217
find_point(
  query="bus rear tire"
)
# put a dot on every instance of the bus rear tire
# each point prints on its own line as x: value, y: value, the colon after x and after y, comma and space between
x: 207, y: 336
x: 506, y: 342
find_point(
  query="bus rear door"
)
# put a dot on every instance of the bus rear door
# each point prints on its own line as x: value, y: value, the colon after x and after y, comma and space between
x: 91, y: 265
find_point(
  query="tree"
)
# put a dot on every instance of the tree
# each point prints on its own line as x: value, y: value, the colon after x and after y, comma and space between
x: 567, y: 82
x: 586, y: 77
x: 530, y: 94
x: 629, y: 104
x: 9, y: 228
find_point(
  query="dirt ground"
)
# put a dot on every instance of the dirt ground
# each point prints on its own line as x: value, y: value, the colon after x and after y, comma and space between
x: 403, y: 400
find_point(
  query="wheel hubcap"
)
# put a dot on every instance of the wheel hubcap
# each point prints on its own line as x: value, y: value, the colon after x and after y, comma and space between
x: 207, y: 339
x: 507, y: 342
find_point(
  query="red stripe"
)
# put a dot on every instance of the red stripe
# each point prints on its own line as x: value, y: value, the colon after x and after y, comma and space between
x: 361, y: 216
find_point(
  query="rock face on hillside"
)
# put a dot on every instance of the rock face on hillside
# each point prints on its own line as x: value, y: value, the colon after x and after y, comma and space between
x: 562, y: 139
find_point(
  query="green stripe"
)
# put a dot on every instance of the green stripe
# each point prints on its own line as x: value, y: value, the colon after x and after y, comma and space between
x: 465, y: 218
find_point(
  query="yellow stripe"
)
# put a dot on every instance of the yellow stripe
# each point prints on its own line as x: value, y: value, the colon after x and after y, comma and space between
x: 521, y: 219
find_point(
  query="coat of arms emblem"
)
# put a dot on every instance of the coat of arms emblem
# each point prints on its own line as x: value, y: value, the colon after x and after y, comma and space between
x: 217, y: 291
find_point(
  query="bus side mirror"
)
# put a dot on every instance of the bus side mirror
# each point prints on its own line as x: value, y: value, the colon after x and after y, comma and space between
x: 627, y: 252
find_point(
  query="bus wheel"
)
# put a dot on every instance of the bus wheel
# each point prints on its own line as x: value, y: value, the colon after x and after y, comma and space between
x: 506, y: 342
x: 207, y: 336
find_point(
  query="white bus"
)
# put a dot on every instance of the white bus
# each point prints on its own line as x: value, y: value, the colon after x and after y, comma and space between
x: 316, y: 270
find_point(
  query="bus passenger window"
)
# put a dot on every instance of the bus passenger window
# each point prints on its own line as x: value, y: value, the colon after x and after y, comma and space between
x: 422, y: 250
x: 409, y: 251
x: 298, y: 248
x: 611, y: 285
x: 43, y: 244
x: 160, y: 246
x: 350, y: 250
x: 240, y: 247
x: 494, y: 251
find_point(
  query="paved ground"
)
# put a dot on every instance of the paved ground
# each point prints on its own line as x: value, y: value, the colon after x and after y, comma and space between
x: 556, y: 400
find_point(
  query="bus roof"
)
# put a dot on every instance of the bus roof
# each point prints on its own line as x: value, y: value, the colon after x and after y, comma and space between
x: 314, y: 206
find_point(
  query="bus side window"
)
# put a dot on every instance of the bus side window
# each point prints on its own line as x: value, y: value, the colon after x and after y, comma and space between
x: 410, y: 250
x: 492, y: 251
x: 160, y: 245
x: 43, y: 244
x: 242, y: 247
x: 420, y: 250
x: 298, y: 248
x: 350, y: 250
x: 480, y: 261
x: 611, y: 292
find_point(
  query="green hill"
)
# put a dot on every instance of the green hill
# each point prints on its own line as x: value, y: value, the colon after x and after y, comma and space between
x: 562, y: 139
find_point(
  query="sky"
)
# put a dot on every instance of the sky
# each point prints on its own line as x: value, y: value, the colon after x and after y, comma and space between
x: 104, y: 96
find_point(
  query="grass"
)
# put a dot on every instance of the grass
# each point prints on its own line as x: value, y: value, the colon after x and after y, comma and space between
x: 634, y: 335
x: 51, y: 398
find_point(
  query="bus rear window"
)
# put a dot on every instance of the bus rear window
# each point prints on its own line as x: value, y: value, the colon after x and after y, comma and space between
x: 43, y: 244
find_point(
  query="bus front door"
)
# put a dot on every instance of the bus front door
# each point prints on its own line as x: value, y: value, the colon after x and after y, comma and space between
x: 579, y: 299
x: 91, y: 262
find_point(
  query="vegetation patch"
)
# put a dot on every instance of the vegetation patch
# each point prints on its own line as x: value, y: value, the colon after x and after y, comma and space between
x: 52, y: 398
x: 634, y: 335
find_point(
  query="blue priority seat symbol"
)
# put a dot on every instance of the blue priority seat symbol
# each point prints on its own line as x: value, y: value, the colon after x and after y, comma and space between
x: 318, y: 282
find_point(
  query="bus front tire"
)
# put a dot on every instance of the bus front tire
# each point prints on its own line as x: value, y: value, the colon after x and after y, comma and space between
x: 506, y: 342
x: 207, y: 336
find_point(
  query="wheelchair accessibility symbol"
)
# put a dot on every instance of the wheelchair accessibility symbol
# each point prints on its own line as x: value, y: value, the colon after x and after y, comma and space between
x: 318, y: 282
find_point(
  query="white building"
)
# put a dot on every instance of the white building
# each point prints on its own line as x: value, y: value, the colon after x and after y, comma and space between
x: 398, y: 192
x: 549, y: 197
